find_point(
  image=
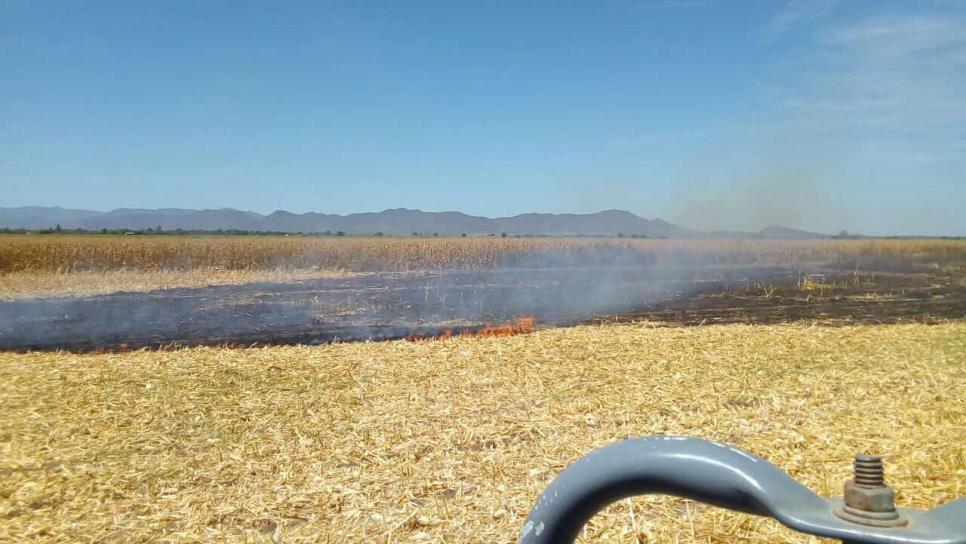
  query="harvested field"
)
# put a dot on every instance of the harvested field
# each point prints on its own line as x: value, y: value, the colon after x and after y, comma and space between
x: 86, y: 283
x: 453, y: 440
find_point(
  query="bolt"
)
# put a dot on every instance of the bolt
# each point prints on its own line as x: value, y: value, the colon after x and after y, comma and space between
x: 868, y: 500
x: 869, y: 471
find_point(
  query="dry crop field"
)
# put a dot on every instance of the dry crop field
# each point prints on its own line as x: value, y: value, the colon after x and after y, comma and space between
x: 67, y: 253
x: 452, y: 440
x: 56, y: 265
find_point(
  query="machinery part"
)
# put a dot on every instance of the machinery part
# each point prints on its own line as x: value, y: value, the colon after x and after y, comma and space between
x: 721, y: 475
x: 868, y: 500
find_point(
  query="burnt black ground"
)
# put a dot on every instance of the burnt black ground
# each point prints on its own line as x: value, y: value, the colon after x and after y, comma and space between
x: 851, y: 300
x: 386, y: 306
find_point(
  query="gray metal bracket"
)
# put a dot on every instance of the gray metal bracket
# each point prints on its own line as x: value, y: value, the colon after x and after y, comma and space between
x: 720, y: 475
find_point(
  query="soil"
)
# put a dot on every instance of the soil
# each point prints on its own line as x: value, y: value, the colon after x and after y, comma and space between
x: 389, y: 306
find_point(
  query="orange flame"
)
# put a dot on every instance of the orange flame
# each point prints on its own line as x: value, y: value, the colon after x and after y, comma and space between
x: 522, y: 325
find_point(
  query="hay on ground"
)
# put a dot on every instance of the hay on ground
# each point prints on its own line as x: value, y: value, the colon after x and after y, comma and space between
x: 453, y: 440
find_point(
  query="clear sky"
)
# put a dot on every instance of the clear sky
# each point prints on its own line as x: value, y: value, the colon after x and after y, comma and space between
x: 816, y: 114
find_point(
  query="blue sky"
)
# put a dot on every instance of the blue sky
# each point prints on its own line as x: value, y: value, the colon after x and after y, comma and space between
x: 823, y: 115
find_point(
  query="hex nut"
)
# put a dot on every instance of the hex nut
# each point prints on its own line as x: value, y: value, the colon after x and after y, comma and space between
x: 869, y: 499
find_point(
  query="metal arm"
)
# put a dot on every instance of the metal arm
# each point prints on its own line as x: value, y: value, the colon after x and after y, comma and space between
x: 721, y: 475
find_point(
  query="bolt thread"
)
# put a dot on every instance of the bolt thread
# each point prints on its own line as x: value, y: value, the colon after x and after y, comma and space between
x: 869, y: 471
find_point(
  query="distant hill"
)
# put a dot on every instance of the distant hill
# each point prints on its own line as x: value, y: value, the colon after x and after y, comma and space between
x: 786, y: 233
x: 771, y: 232
x: 396, y: 221
x: 37, y: 217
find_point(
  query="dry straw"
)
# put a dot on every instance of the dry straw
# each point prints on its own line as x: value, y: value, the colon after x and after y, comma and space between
x: 452, y: 440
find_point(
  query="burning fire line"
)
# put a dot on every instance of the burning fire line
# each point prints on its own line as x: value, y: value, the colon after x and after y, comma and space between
x: 522, y: 325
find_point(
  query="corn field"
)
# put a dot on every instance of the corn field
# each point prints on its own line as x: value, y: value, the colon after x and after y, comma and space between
x: 74, y: 253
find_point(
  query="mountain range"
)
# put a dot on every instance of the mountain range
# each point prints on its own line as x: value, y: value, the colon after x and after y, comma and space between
x: 395, y: 221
